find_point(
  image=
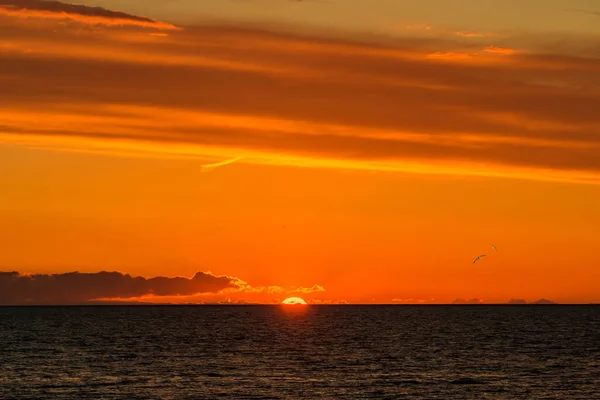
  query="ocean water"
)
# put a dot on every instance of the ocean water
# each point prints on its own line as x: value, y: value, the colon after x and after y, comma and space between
x: 314, y: 352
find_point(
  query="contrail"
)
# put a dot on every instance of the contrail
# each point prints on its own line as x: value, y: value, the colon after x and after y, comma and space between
x: 211, y: 167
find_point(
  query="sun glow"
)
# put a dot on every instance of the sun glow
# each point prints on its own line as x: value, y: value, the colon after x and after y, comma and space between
x: 293, y: 301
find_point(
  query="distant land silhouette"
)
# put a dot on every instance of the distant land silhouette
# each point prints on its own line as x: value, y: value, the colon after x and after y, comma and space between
x: 511, y: 301
x: 543, y: 301
x: 540, y: 301
x: 471, y: 301
x: 517, y: 301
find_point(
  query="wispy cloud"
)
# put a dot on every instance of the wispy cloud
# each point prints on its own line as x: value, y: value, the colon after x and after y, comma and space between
x: 439, y: 106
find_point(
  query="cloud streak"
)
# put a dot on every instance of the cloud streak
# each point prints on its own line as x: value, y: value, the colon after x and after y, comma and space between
x: 440, y: 106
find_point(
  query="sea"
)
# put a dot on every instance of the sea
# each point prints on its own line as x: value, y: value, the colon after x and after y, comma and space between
x: 300, y: 352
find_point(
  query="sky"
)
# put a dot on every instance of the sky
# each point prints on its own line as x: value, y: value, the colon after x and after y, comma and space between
x: 338, y: 151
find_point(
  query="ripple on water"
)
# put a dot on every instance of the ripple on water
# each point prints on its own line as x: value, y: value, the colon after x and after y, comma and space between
x: 259, y: 352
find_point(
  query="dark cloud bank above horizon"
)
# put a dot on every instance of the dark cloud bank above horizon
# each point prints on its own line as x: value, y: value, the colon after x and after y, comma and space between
x: 82, y: 288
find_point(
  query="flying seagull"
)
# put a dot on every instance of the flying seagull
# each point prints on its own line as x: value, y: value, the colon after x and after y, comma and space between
x: 494, y: 247
x: 478, y: 258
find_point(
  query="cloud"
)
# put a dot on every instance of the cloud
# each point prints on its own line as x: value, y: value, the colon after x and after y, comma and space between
x: 49, y: 9
x: 470, y: 301
x: 81, y: 288
x: 521, y: 108
x: 313, y: 289
x: 239, y: 292
x: 480, y: 56
x: 245, y: 288
x: 119, y: 288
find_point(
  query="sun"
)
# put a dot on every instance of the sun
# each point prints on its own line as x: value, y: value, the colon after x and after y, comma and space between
x: 293, y: 301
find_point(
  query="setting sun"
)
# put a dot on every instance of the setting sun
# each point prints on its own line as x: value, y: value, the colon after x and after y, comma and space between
x: 293, y: 301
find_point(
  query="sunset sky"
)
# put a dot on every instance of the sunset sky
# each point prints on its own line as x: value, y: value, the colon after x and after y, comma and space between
x: 335, y: 150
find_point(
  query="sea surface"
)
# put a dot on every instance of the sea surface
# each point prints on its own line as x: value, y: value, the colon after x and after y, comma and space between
x: 289, y: 352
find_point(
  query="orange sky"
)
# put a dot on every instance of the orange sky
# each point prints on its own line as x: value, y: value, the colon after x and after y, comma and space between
x: 350, y: 167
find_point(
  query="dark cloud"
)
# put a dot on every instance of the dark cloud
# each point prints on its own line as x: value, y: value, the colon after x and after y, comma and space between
x: 81, y: 288
x: 51, y: 9
x: 57, y: 7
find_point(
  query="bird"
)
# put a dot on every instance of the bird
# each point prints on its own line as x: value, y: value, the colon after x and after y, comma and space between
x: 478, y: 258
x: 494, y: 247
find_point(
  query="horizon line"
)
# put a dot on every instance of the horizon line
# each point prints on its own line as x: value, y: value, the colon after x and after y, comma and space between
x: 124, y: 304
